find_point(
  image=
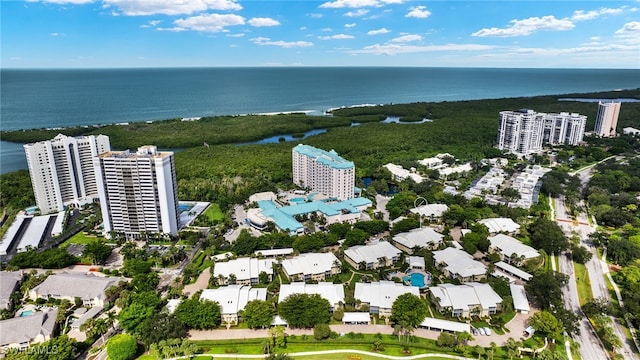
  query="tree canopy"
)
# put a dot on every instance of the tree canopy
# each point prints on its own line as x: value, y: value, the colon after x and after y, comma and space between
x: 547, y: 235
x: 258, y: 314
x: 122, y: 347
x: 304, y: 310
x: 408, y: 310
x: 198, y: 314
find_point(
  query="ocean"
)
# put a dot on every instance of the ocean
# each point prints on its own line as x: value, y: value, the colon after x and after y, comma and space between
x: 60, y: 98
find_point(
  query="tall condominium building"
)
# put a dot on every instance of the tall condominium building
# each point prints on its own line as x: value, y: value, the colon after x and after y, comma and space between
x: 523, y: 132
x: 62, y: 171
x: 138, y: 192
x: 520, y: 132
x: 607, y: 118
x: 323, y: 171
x: 564, y: 128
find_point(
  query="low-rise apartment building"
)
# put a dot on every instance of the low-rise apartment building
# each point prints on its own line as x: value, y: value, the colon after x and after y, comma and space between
x: 232, y: 299
x: 333, y: 293
x: 381, y: 295
x: 88, y: 287
x: 374, y: 255
x: 246, y: 271
x: 457, y: 264
x: 466, y: 300
x: 422, y: 238
x: 311, y: 266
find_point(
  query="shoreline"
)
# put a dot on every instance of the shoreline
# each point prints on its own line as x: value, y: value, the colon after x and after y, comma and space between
x: 328, y: 112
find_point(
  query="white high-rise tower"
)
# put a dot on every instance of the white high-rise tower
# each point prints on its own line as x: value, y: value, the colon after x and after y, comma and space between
x: 607, y: 119
x: 62, y: 171
x: 138, y: 192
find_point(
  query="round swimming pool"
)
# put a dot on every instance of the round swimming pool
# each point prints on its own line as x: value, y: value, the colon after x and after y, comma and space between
x: 417, y: 279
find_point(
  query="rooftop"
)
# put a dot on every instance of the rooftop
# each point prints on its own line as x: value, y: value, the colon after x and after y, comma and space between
x: 466, y: 295
x: 372, y: 252
x: 334, y: 293
x: 382, y: 294
x: 430, y: 210
x: 459, y: 262
x: 509, y: 246
x: 433, y: 323
x: 310, y: 263
x: 84, y: 286
x: 496, y: 225
x: 8, y: 282
x: 419, y: 237
x: 233, y: 298
x: 519, y: 296
x: 328, y: 158
x: 24, y: 329
x: 243, y: 268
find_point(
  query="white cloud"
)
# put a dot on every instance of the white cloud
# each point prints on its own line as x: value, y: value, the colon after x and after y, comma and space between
x: 315, y: 16
x: 349, y: 25
x: 358, y: 3
x: 260, y: 22
x: 581, y: 15
x: 357, y: 13
x: 284, y: 44
x: 57, y: 34
x: 378, y: 32
x: 326, y: 29
x: 239, y: 35
x: 151, y: 23
x: 63, y: 2
x: 407, y: 38
x: 303, y: 28
x: 419, y: 12
x: 630, y: 28
x: 172, y: 29
x: 393, y: 49
x: 210, y: 22
x: 527, y: 26
x: 337, y: 37
x: 349, y: 4
x: 594, y: 38
x: 170, y: 7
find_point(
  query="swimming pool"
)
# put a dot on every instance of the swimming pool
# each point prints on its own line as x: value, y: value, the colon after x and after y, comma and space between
x: 297, y: 200
x: 185, y: 207
x: 415, y: 279
x: 26, y: 313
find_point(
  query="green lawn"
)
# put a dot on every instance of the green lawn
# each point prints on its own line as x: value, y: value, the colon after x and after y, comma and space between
x: 214, y: 213
x: 81, y: 238
x: 584, y: 285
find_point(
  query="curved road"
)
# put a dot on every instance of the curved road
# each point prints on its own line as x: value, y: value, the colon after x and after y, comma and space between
x: 325, y: 352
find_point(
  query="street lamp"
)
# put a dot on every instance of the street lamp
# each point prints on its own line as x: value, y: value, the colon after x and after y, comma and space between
x: 419, y: 201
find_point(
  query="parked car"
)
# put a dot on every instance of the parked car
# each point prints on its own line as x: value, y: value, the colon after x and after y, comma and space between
x: 481, y: 330
x: 487, y: 331
x: 474, y: 331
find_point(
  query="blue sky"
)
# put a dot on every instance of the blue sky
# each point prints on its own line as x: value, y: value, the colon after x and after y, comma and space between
x: 175, y: 33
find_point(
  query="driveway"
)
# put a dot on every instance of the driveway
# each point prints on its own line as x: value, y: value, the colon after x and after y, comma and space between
x: 200, y: 284
x: 516, y: 327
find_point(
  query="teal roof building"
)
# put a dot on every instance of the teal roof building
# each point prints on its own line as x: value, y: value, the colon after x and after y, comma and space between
x: 323, y: 171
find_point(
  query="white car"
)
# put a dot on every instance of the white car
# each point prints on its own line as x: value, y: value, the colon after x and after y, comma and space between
x: 487, y: 331
x: 481, y: 331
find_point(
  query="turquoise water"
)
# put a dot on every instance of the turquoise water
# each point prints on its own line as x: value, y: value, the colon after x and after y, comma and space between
x: 185, y: 207
x: 297, y: 200
x: 417, y: 280
x: 26, y: 313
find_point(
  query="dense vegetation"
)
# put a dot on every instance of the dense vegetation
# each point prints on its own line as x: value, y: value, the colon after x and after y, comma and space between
x: 228, y: 174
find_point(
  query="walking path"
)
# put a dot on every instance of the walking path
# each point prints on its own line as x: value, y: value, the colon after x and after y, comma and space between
x: 200, y: 284
x: 516, y: 327
x: 325, y: 352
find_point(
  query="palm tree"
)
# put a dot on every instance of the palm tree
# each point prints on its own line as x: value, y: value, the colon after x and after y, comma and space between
x: 232, y: 279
